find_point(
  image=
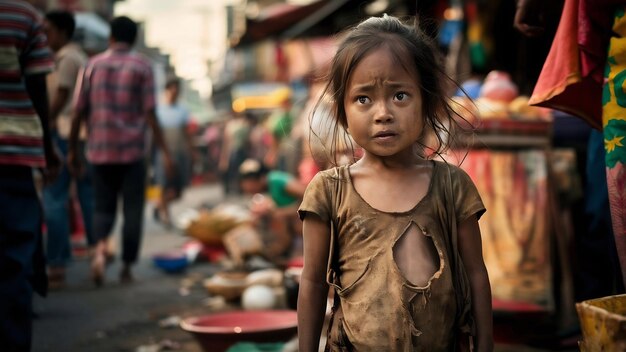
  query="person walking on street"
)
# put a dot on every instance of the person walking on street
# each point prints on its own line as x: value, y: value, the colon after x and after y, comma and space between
x: 235, y: 149
x: 70, y: 58
x: 115, y: 97
x: 25, y: 143
x: 173, y: 118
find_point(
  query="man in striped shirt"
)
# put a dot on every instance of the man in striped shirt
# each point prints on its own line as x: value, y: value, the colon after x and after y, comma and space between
x: 115, y: 96
x: 25, y: 59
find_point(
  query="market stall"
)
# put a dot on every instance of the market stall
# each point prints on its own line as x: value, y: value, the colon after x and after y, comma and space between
x: 526, y: 235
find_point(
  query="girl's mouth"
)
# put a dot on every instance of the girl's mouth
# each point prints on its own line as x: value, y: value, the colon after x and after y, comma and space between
x: 384, y: 135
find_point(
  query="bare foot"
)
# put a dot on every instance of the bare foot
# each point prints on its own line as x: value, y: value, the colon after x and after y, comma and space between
x: 98, y: 264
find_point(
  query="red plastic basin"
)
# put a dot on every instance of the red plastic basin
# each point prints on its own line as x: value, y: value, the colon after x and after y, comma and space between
x: 217, y: 332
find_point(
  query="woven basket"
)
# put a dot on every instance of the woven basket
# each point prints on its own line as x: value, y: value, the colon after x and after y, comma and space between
x: 229, y: 285
x: 210, y: 227
x: 603, y: 323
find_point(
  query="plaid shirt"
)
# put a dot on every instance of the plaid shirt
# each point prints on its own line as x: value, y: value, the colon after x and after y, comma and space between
x: 116, y: 91
x: 23, y: 51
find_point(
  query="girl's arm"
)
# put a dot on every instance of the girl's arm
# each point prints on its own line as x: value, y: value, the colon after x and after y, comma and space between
x: 313, y: 293
x: 470, y: 248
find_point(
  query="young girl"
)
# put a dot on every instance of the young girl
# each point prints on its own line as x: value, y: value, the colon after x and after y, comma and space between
x: 395, y: 234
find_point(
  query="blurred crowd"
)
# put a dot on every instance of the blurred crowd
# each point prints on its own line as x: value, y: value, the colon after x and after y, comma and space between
x: 101, y: 135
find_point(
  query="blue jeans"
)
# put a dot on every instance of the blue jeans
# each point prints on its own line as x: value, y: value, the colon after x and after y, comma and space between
x: 20, y: 240
x: 55, y: 202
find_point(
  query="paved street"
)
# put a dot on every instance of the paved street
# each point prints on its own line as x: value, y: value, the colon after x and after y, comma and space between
x: 120, y: 317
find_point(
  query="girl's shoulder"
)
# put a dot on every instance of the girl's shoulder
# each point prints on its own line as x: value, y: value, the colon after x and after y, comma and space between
x: 453, y: 170
x: 334, y: 174
x: 330, y: 180
x: 457, y: 177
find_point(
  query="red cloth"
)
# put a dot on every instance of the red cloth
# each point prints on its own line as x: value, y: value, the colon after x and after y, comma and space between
x: 572, y: 76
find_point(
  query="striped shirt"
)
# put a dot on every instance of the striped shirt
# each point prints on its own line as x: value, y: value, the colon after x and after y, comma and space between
x: 116, y: 91
x: 23, y: 51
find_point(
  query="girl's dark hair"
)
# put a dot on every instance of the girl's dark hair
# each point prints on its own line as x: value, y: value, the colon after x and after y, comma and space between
x: 63, y: 21
x: 413, y: 50
x: 124, y: 30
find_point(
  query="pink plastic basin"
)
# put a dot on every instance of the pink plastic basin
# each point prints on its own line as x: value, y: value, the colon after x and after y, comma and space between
x: 217, y: 332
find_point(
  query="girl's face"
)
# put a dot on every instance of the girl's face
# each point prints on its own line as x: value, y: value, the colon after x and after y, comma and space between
x: 383, y: 106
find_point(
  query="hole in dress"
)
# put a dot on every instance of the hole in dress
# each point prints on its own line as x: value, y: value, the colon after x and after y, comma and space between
x: 416, y: 256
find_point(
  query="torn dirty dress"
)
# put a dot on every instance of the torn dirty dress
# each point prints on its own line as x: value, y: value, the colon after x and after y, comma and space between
x: 376, y: 308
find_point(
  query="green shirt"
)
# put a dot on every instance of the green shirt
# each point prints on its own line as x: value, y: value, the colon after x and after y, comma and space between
x: 277, y: 183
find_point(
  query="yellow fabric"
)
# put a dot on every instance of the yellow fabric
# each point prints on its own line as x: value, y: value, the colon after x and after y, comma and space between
x: 614, y: 123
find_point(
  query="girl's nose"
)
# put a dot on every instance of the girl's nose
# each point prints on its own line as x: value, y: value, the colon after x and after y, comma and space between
x: 383, y: 114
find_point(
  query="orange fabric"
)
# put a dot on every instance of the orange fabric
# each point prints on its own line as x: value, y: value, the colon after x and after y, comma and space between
x: 561, y: 85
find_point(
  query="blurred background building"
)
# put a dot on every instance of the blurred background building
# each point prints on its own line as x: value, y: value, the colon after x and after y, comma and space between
x: 215, y: 45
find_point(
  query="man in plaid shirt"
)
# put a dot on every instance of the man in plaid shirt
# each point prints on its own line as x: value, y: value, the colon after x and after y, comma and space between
x: 115, y: 96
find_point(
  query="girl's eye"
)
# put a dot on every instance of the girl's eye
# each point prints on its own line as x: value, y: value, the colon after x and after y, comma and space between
x: 400, y: 96
x: 362, y: 99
